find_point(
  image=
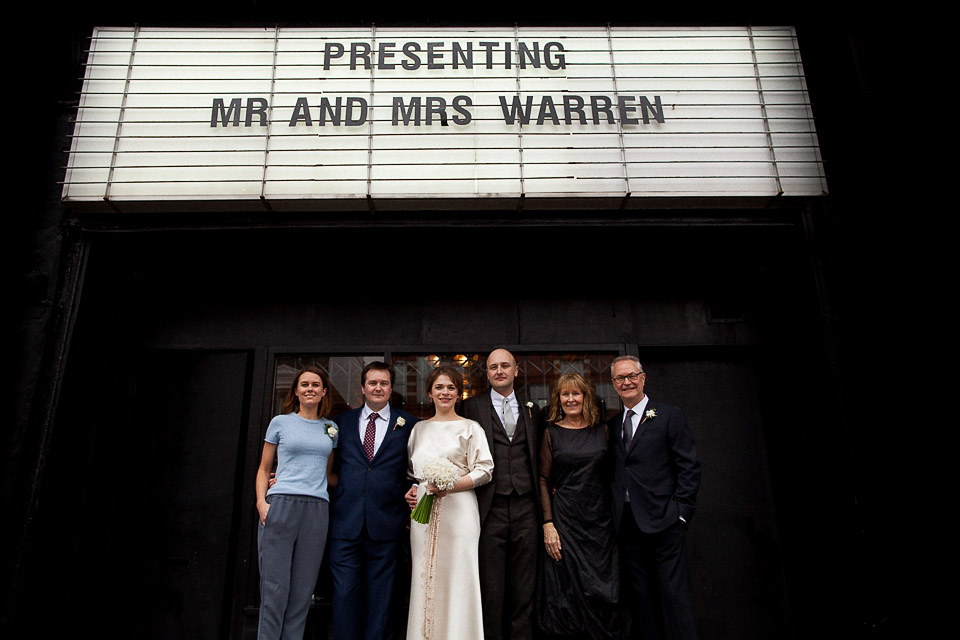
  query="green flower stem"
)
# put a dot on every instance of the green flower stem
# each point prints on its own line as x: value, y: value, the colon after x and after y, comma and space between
x: 421, y: 513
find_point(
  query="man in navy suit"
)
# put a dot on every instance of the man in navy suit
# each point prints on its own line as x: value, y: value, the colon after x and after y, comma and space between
x: 656, y: 476
x: 368, y: 513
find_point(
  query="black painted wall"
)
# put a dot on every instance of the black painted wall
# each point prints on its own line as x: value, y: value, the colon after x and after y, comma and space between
x: 156, y: 439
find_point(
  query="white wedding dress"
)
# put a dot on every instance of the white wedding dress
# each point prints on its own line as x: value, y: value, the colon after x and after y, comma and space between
x: 445, y: 583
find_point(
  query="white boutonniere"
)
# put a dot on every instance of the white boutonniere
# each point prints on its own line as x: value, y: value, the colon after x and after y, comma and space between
x: 650, y: 414
x: 332, y: 431
x: 529, y: 409
x: 400, y: 422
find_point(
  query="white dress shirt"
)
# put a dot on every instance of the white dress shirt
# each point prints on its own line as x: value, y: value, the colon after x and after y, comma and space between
x: 497, y: 401
x: 637, y: 416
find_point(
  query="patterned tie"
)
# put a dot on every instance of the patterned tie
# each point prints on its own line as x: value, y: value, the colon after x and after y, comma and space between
x: 370, y: 437
x: 509, y: 422
x: 628, y: 427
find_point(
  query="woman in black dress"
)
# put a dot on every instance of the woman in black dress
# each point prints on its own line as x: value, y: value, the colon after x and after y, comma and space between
x: 579, y: 589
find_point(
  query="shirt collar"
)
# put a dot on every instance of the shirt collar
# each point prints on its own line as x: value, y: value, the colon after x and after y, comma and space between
x: 640, y: 407
x: 366, y: 411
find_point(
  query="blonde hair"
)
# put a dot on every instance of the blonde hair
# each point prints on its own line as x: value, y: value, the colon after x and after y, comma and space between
x: 591, y: 412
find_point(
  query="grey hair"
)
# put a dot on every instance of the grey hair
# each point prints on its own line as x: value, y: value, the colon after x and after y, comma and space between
x: 634, y: 359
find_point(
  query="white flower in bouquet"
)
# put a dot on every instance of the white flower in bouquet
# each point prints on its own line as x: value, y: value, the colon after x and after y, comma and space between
x: 441, y: 472
x: 444, y: 475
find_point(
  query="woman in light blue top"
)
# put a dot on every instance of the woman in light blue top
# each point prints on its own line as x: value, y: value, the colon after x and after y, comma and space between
x: 294, y: 512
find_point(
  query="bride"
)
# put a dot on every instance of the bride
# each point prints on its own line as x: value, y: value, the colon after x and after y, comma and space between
x: 445, y: 584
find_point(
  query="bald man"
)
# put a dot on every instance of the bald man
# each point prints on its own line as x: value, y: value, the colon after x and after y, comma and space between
x: 510, y: 513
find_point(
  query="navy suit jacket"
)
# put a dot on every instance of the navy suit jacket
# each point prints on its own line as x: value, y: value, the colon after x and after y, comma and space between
x: 660, y: 468
x: 371, y: 492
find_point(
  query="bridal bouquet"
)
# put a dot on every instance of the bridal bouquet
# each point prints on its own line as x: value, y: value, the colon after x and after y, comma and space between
x: 442, y: 473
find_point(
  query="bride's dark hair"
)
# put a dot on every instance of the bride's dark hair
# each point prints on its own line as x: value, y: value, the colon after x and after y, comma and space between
x: 455, y: 376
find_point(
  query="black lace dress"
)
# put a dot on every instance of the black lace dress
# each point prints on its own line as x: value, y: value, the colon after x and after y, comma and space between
x: 579, y: 594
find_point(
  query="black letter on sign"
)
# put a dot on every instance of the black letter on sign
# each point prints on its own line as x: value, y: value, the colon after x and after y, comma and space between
x: 359, y: 51
x: 331, y: 50
x: 490, y: 46
x: 225, y: 115
x: 460, y: 104
x: 356, y: 122
x: 437, y: 105
x: 626, y: 110
x: 645, y: 107
x: 257, y: 106
x: 601, y: 104
x: 386, y: 52
x: 516, y: 110
x: 301, y: 112
x: 327, y: 110
x: 573, y: 104
x: 433, y: 56
x: 524, y: 53
x: 410, y: 50
x: 461, y: 56
x: 547, y: 110
x: 412, y: 112
x: 554, y: 63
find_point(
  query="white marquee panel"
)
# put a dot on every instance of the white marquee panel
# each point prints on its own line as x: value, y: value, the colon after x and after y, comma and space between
x: 212, y: 115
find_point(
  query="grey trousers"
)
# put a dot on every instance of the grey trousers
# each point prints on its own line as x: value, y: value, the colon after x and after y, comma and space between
x: 289, y: 551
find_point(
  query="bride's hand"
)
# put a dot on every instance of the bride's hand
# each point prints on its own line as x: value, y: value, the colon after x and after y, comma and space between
x: 432, y: 488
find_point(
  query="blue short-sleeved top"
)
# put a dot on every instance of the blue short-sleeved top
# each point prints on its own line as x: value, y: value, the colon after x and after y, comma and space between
x: 303, y: 447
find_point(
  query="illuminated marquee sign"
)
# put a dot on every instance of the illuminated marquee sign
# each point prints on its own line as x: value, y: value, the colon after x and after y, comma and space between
x: 339, y: 118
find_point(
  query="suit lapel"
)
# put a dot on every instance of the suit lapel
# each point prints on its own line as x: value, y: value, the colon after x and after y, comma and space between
x: 644, y: 423
x: 495, y: 422
x: 522, y: 419
x: 394, y: 414
x: 353, y: 429
x: 618, y: 430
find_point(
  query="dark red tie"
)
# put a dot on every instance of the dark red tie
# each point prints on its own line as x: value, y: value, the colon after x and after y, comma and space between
x: 370, y: 437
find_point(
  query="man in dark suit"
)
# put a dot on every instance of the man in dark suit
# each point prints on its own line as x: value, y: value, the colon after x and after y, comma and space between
x: 656, y: 476
x: 510, y: 514
x: 368, y: 513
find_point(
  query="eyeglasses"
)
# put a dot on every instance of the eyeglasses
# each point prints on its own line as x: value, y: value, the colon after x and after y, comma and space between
x: 632, y: 377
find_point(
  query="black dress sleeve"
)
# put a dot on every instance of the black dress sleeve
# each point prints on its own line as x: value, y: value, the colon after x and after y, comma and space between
x: 546, y: 486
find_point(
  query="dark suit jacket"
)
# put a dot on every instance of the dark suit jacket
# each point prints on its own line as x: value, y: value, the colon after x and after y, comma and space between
x: 480, y: 409
x: 660, y: 468
x: 370, y: 492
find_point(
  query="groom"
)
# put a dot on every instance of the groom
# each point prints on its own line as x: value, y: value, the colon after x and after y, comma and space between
x: 656, y: 476
x: 510, y: 514
x: 368, y: 514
